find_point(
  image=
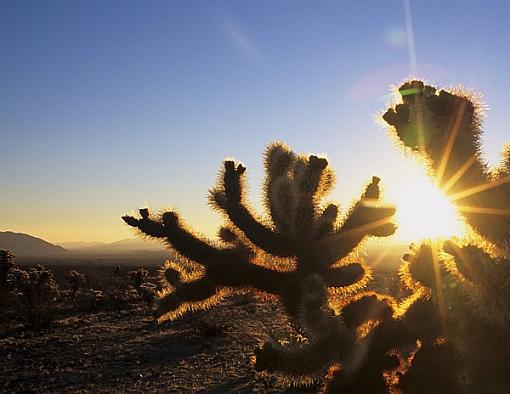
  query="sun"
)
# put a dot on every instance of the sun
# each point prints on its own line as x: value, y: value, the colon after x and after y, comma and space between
x: 424, y: 212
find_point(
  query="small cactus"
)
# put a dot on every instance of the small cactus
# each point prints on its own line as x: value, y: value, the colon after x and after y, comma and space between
x: 146, y: 290
x: 35, y: 293
x: 76, y: 281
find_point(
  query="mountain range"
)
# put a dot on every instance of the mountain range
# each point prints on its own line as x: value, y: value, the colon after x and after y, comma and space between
x: 25, y: 245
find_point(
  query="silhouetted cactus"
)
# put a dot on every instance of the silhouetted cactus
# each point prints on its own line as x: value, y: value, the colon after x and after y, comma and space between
x: 35, y: 293
x: 301, y: 253
x: 88, y: 299
x: 470, y: 288
x: 138, y: 276
x: 276, y: 254
x: 76, y: 281
x: 146, y: 290
x: 357, y: 341
x: 445, y: 128
x: 469, y: 296
x: 448, y: 332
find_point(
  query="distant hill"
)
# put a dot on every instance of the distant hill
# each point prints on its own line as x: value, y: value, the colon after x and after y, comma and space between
x: 122, y: 247
x: 78, y: 244
x: 27, y: 245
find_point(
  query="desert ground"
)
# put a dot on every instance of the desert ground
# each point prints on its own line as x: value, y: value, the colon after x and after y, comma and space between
x: 119, y: 347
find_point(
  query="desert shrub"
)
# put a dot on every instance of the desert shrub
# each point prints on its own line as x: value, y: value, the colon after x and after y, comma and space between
x: 34, y: 294
x: 148, y: 293
x: 80, y: 294
x: 76, y: 281
x: 126, y: 290
x: 117, y: 290
x: 146, y: 290
x: 208, y: 328
x: 448, y: 329
x: 138, y: 276
x: 88, y: 299
x: 6, y: 264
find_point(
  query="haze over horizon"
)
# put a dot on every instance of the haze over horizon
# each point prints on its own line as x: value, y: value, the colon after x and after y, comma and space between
x: 140, y: 106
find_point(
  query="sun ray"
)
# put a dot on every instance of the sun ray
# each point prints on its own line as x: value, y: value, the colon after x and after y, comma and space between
x: 439, y: 293
x: 380, y: 257
x: 458, y: 175
x: 467, y: 264
x: 449, y: 145
x: 480, y: 188
x: 484, y: 210
x: 364, y: 228
x: 410, y: 37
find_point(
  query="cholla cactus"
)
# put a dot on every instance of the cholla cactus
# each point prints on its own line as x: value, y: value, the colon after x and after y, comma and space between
x: 275, y: 254
x: 76, y: 281
x: 469, y: 314
x: 88, y: 299
x: 35, y: 293
x: 445, y: 128
x: 146, y: 290
x: 356, y: 338
x: 470, y: 288
x: 455, y: 312
x: 138, y: 276
x: 300, y: 253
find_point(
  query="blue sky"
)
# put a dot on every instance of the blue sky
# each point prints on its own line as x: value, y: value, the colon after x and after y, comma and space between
x: 109, y: 105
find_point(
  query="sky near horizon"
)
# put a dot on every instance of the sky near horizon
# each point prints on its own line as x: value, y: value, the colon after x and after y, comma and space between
x: 108, y: 106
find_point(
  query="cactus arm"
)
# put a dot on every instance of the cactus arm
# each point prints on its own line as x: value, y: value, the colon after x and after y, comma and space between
x: 364, y: 221
x: 176, y: 234
x: 325, y: 223
x: 484, y: 281
x: 367, y: 306
x: 234, y: 270
x: 445, y: 128
x: 279, y: 203
x: 328, y: 338
x: 296, y: 360
x: 263, y: 278
x: 147, y: 226
x: 258, y: 233
x: 278, y: 199
x: 366, y: 218
x: 344, y: 276
x: 192, y: 295
x: 308, y: 187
